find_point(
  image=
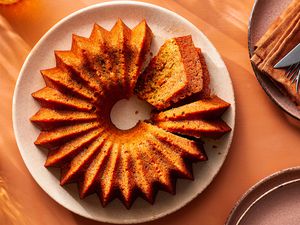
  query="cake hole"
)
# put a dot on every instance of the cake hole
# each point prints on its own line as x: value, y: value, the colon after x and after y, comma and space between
x: 123, y: 114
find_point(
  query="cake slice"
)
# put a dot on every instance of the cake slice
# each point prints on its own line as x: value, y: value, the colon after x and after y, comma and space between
x: 196, y: 128
x: 206, y: 108
x: 47, y: 118
x: 173, y: 74
x: 206, y: 91
x: 52, y: 98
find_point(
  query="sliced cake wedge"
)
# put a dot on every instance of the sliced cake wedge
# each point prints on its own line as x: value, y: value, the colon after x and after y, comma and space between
x: 207, y: 108
x: 196, y: 128
x: 173, y: 74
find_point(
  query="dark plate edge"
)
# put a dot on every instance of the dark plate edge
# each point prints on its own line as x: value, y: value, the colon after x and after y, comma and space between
x: 266, y: 180
x: 258, y: 73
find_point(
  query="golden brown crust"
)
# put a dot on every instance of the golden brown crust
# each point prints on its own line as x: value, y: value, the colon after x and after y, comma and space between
x: 52, y: 98
x: 58, y: 157
x: 48, y: 119
x: 138, y: 52
x: 118, y: 44
x: 64, y: 82
x: 197, y: 119
x: 57, y: 136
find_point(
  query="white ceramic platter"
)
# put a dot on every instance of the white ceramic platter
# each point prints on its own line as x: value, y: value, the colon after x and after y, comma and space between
x: 164, y: 24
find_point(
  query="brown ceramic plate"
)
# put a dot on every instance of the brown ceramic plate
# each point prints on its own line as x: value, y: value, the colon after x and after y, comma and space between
x: 263, y: 14
x: 273, y: 201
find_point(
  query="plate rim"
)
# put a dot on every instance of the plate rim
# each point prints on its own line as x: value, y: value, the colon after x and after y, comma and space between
x: 259, y: 74
x: 256, y: 186
x: 74, y: 14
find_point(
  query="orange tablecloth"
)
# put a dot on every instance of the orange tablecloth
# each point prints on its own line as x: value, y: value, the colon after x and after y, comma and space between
x: 264, y: 140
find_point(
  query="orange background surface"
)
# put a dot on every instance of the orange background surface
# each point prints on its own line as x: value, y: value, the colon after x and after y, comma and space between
x: 265, y: 140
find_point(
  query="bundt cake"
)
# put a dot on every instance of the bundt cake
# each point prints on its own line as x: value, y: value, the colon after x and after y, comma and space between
x: 88, y: 80
x: 173, y: 74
